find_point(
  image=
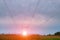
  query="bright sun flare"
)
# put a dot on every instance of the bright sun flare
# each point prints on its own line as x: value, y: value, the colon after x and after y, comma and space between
x: 24, y: 33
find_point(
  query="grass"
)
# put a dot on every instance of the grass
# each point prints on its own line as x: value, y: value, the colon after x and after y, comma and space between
x: 54, y: 39
x: 30, y: 37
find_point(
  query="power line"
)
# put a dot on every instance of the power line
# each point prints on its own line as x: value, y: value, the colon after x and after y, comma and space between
x: 36, y: 7
x: 33, y: 12
x: 11, y: 15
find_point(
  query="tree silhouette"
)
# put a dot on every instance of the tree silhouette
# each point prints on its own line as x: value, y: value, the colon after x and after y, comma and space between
x: 57, y: 33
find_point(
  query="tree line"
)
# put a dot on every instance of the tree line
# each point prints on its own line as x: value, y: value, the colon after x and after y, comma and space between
x: 55, y: 34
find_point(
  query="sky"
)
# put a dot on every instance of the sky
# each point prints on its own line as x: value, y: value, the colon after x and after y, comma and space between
x: 34, y: 16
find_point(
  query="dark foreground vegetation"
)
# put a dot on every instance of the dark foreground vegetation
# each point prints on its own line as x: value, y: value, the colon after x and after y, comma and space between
x: 29, y: 37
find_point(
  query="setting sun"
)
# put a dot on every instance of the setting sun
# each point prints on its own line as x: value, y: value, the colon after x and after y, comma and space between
x: 24, y: 33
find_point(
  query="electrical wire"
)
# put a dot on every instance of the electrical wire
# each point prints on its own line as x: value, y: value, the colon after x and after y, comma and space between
x: 36, y: 8
x: 32, y: 15
x: 10, y: 13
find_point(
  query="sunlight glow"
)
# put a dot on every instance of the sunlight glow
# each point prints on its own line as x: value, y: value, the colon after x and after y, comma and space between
x: 24, y: 33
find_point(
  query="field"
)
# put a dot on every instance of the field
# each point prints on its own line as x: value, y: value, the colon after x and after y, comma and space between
x: 30, y: 37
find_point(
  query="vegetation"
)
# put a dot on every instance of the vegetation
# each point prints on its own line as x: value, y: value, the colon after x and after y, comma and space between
x: 29, y: 37
x: 57, y: 33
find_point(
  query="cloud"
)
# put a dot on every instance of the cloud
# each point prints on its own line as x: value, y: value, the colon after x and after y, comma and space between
x: 20, y: 12
x: 47, y: 8
x: 26, y: 8
x: 36, y: 20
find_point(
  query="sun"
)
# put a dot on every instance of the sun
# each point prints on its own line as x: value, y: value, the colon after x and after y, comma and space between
x: 24, y: 33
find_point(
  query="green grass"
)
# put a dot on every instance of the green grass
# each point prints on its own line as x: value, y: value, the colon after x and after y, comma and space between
x: 54, y: 39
